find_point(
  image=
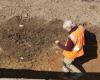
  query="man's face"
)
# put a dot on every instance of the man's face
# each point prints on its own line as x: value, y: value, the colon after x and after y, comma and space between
x: 68, y: 29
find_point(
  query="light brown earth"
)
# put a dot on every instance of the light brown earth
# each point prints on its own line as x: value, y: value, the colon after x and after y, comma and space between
x: 32, y: 45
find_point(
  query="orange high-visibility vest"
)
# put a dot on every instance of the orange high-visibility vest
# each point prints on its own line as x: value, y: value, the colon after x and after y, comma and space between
x: 78, y: 39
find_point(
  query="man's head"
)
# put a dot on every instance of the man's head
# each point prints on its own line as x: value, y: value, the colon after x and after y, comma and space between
x: 68, y: 25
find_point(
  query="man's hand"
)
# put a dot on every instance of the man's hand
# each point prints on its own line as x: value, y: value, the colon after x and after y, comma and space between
x: 57, y: 41
x: 60, y: 45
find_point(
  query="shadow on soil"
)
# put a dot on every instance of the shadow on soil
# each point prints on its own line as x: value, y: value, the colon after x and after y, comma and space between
x: 90, y: 50
x: 23, y: 73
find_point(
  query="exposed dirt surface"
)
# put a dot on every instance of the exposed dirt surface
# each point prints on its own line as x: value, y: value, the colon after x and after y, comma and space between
x: 29, y: 28
x: 32, y: 46
x: 36, y: 37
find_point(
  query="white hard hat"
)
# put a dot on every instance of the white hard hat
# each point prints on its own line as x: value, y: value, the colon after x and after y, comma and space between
x: 68, y: 23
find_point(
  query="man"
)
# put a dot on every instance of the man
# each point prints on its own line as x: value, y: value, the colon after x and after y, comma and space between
x: 73, y: 47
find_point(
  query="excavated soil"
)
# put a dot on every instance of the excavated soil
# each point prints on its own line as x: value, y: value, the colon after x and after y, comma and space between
x: 36, y: 37
x: 32, y: 45
x: 29, y: 28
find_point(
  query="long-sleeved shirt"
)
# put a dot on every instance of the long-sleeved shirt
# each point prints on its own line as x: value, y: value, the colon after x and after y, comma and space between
x: 70, y: 43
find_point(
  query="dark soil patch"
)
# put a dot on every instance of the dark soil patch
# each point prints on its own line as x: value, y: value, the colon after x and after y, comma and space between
x: 35, y: 36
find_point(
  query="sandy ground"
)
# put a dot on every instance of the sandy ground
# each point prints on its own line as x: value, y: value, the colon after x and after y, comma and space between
x: 78, y: 10
x: 28, y: 29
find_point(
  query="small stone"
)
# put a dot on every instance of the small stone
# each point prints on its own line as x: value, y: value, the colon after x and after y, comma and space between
x: 56, y: 51
x: 0, y: 8
x: 50, y: 69
x: 21, y: 25
x: 21, y: 58
x: 56, y: 1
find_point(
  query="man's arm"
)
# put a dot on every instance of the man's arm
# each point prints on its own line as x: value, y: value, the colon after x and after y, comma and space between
x: 69, y: 46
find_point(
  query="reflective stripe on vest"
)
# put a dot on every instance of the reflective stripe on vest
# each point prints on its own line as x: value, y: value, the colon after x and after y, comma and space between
x: 74, y: 40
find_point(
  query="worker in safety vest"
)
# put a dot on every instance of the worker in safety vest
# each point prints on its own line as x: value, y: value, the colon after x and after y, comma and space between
x: 73, y: 48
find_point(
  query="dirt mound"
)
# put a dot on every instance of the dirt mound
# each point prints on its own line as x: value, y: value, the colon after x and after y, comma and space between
x: 32, y: 38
